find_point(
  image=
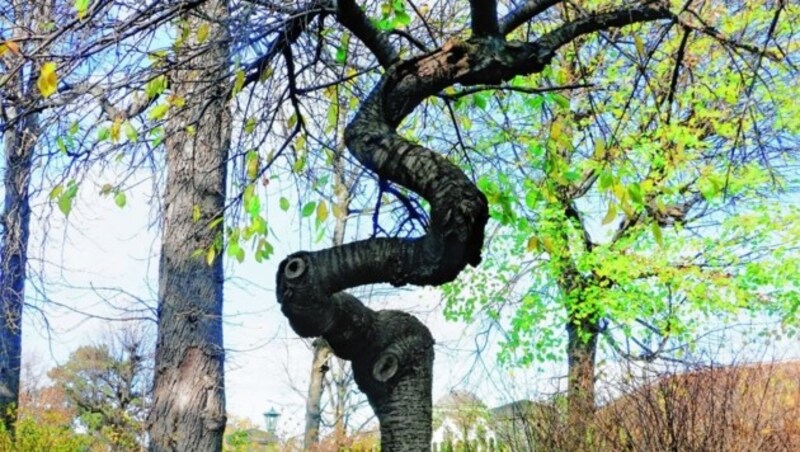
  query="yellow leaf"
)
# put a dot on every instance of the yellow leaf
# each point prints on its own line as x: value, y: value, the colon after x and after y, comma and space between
x: 611, y: 214
x: 637, y: 40
x: 176, y: 101
x: 210, y: 255
x: 322, y: 211
x: 533, y: 244
x: 202, y: 33
x: 599, y: 150
x: 116, y: 127
x: 196, y: 213
x: 548, y: 245
x: 252, y: 167
x: 555, y: 131
x: 48, y: 80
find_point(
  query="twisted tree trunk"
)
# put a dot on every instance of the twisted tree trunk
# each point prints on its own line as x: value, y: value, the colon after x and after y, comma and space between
x: 391, y: 351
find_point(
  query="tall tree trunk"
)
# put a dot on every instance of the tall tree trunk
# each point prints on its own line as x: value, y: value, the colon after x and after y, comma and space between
x: 319, y: 367
x: 581, y: 353
x: 189, y: 399
x: 339, y: 408
x: 20, y: 136
x: 322, y: 350
x: 19, y: 142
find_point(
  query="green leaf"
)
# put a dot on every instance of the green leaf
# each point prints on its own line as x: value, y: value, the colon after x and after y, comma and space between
x: 66, y: 197
x: 657, y: 233
x: 635, y: 190
x: 159, y: 111
x: 120, y: 199
x: 238, y: 85
x: 341, y: 55
x: 195, y: 213
x: 250, y: 125
x: 103, y: 134
x: 284, y: 204
x: 480, y: 101
x: 130, y: 132
x: 308, y: 209
x: 402, y: 18
x: 155, y: 87
x: 560, y: 100
x: 56, y: 192
x: 254, y: 206
x: 62, y: 146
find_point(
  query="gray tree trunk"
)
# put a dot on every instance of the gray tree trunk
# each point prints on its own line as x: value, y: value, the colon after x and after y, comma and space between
x: 19, y: 141
x: 322, y: 350
x: 189, y: 399
x: 581, y: 353
x: 20, y: 135
x: 319, y: 367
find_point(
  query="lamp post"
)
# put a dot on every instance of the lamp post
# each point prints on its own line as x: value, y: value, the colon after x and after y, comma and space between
x: 271, y: 419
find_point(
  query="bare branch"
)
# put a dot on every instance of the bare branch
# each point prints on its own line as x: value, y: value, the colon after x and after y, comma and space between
x: 524, y: 13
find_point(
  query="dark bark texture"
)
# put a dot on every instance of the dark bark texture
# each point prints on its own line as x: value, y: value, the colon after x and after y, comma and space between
x: 392, y: 352
x: 20, y: 136
x: 19, y: 142
x: 189, y: 398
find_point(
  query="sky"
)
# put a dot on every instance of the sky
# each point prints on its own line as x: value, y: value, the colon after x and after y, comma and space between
x: 267, y: 366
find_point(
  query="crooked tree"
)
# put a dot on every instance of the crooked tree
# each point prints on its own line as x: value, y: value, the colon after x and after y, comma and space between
x: 391, y: 351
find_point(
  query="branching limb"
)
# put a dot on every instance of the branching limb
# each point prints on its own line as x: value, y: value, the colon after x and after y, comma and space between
x: 351, y: 16
x: 525, y: 12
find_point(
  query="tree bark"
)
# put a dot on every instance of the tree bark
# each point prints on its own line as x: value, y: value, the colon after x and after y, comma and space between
x: 189, y: 398
x: 581, y: 353
x: 19, y: 142
x: 20, y: 136
x: 319, y: 367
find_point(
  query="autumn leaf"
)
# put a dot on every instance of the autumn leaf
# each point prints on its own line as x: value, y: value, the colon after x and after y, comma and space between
x: 48, y: 80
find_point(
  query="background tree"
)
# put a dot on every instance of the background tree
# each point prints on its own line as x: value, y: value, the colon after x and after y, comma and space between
x: 108, y: 386
x: 682, y: 137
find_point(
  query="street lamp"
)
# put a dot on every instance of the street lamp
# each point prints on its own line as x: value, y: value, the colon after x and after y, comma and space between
x: 271, y: 419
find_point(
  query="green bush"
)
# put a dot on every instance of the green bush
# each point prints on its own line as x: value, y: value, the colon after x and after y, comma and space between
x: 33, y: 436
